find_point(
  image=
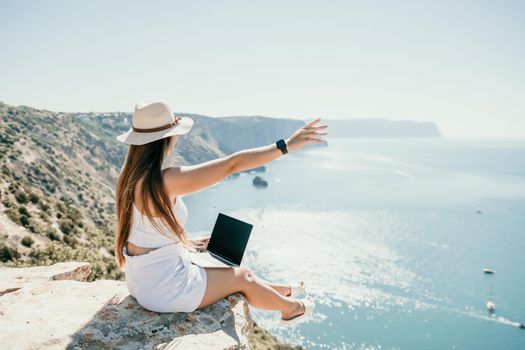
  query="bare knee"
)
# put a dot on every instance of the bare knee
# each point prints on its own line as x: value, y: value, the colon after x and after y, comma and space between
x: 245, y: 275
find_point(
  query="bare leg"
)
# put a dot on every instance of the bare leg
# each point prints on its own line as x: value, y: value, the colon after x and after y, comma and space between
x: 283, y: 289
x: 223, y: 282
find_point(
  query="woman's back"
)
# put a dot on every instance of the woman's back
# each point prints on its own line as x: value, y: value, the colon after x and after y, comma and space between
x: 143, y: 234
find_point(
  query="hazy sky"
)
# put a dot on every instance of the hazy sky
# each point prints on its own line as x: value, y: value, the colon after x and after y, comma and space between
x: 459, y: 63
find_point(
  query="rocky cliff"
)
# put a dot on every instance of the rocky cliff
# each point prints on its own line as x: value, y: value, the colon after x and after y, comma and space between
x: 53, y: 307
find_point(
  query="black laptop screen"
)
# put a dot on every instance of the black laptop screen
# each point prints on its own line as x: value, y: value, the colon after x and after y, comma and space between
x: 229, y: 238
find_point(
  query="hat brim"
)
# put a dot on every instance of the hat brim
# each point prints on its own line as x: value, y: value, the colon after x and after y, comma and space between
x: 140, y: 138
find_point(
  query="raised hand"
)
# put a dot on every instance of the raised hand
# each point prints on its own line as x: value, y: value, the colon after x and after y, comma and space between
x: 305, y: 135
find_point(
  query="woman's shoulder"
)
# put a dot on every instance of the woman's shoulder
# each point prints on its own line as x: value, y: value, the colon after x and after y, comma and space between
x: 137, y: 200
x: 170, y: 177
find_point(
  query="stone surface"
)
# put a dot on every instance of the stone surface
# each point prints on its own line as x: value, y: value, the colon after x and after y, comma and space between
x: 52, y: 307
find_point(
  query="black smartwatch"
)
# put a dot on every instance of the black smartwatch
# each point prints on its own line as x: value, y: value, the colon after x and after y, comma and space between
x: 282, y: 146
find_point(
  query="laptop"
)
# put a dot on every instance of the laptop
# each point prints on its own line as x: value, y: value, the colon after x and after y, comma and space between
x: 226, y: 245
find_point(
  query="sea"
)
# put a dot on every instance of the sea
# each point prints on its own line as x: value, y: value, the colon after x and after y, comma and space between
x: 391, y: 237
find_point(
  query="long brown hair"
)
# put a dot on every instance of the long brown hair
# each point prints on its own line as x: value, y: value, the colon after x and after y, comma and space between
x: 144, y: 161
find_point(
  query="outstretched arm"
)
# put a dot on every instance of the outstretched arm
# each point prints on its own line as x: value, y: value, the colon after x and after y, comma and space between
x: 254, y: 157
x: 186, y: 179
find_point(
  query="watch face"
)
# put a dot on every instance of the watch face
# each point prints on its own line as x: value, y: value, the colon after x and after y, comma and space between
x: 282, y: 145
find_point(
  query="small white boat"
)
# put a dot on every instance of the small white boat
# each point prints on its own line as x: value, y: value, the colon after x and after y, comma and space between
x: 488, y: 271
x: 490, y: 306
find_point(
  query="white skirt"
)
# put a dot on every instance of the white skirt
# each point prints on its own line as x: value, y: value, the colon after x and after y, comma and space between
x: 165, y: 280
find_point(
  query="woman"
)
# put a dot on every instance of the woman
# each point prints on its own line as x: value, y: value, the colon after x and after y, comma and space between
x: 151, y: 244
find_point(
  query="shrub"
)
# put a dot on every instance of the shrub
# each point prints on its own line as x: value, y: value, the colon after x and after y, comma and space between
x: 56, y: 252
x: 66, y: 226
x: 12, y: 187
x: 52, y: 234
x: 8, y: 253
x: 28, y: 241
x: 7, y: 203
x: 24, y: 220
x: 33, y: 197
x: 21, y: 197
x: 5, y: 170
x: 23, y: 211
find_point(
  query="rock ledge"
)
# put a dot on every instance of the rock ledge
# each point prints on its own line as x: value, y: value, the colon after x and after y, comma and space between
x: 53, y: 307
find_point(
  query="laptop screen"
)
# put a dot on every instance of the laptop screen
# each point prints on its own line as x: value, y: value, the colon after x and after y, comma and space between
x: 229, y: 237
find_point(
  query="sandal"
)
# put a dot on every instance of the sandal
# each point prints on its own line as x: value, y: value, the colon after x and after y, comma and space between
x: 297, y: 289
x: 308, y: 310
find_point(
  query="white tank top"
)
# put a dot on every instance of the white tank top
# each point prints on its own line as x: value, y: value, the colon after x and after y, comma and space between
x: 144, y: 234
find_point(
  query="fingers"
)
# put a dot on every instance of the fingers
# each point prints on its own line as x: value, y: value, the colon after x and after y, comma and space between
x: 203, y: 242
x: 310, y: 132
x: 312, y: 123
x: 314, y: 130
x: 314, y: 135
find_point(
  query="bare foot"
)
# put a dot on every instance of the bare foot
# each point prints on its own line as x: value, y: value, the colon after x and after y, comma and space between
x: 297, y: 310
